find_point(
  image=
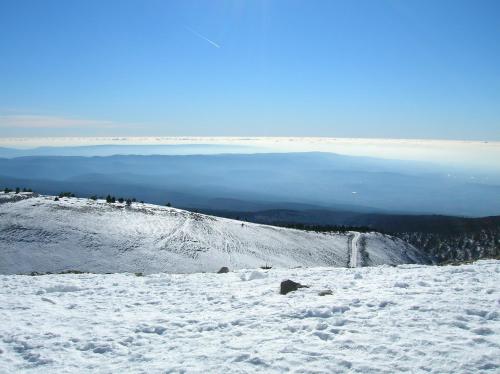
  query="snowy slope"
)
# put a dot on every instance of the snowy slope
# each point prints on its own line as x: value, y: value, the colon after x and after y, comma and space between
x: 42, y: 235
x: 410, y: 318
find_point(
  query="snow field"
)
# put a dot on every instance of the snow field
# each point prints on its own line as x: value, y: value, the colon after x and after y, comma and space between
x: 41, y: 235
x: 410, y: 318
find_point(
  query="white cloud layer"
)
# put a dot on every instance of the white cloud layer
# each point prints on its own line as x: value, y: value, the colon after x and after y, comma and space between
x: 475, y: 154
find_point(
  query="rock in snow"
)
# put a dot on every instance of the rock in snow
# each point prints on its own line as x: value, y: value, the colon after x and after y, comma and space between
x: 325, y: 293
x: 288, y: 286
x: 41, y: 235
x: 193, y: 323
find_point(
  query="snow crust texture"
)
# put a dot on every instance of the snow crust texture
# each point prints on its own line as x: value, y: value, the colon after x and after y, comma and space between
x: 39, y: 234
x: 410, y: 318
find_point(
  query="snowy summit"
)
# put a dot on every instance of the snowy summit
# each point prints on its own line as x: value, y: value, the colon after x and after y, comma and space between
x: 42, y: 235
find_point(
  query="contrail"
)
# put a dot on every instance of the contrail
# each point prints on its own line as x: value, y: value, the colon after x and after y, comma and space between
x: 202, y: 37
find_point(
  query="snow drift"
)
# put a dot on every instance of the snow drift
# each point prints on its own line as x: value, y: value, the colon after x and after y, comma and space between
x: 410, y: 318
x: 38, y: 234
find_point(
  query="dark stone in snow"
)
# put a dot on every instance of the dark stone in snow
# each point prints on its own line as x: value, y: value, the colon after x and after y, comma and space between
x: 289, y: 286
x: 325, y: 293
x: 223, y: 270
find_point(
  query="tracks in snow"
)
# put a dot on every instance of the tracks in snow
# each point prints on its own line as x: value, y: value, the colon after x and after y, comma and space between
x: 354, y: 254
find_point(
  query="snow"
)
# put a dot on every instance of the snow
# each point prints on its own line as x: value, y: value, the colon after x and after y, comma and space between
x: 41, y: 235
x: 444, y: 320
x: 253, y: 275
x: 354, y: 260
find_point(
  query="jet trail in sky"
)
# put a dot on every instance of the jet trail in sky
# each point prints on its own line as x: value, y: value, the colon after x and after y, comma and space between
x: 202, y: 37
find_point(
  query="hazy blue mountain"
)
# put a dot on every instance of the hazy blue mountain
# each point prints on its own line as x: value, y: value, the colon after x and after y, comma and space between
x: 269, y: 181
x: 114, y: 149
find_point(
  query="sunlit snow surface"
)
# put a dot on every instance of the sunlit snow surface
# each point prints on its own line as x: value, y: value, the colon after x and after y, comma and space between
x: 378, y: 320
x: 42, y: 235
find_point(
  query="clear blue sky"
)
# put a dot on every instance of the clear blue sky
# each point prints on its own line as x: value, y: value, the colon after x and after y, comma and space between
x: 398, y: 69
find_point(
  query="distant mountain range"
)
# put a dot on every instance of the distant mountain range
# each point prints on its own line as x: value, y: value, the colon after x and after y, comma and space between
x: 435, y: 209
x: 256, y: 182
x: 384, y: 222
x: 112, y: 150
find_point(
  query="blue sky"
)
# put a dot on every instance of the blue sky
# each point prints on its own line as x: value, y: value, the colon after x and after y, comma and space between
x: 388, y: 69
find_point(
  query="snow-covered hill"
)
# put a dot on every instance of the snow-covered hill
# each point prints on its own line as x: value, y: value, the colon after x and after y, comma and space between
x: 410, y: 318
x: 38, y: 234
